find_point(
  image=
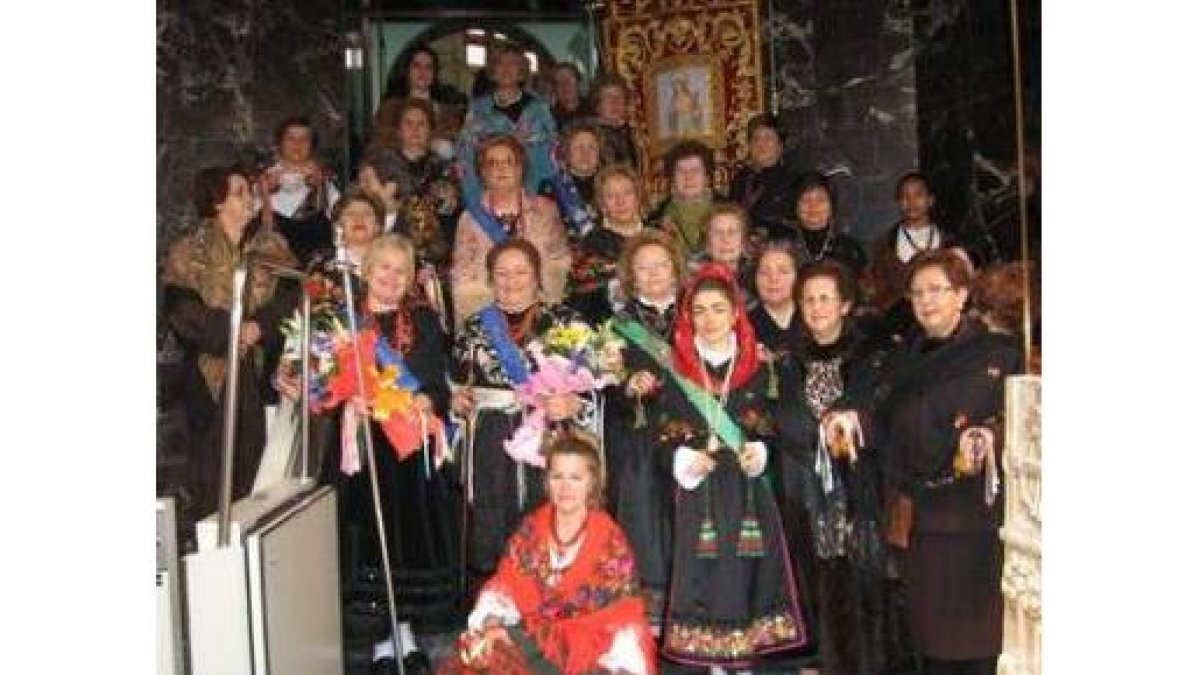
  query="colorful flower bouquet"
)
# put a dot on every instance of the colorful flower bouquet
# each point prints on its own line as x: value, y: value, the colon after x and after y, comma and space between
x: 389, y: 387
x: 568, y: 359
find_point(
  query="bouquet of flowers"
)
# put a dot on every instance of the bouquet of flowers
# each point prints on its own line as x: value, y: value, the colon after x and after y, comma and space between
x: 389, y: 386
x: 568, y: 359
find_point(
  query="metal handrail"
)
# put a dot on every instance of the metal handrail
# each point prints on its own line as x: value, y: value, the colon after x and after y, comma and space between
x: 229, y: 432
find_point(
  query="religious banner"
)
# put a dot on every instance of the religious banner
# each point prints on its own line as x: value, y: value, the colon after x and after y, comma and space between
x: 694, y: 70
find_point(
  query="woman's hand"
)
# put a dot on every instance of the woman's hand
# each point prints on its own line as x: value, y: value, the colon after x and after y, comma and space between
x: 641, y: 383
x: 360, y: 405
x: 462, y: 401
x: 765, y: 355
x: 702, y: 465
x: 562, y: 406
x: 753, y: 459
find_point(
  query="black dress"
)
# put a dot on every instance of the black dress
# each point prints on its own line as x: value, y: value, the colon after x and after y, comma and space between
x: 417, y: 497
x: 501, y: 490
x: 951, y: 568
x: 593, y: 272
x: 735, y: 608
x: 780, y: 340
x: 640, y: 492
x: 835, y: 529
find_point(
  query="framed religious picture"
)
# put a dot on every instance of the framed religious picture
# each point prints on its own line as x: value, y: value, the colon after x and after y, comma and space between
x: 685, y: 98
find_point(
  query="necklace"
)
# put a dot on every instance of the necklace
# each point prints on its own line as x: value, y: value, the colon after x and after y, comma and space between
x: 503, y: 101
x: 710, y: 412
x: 510, y: 221
x: 825, y: 245
x: 402, y: 333
x: 561, y: 545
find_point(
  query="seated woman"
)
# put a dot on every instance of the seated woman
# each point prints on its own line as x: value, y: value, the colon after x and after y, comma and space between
x: 565, y: 596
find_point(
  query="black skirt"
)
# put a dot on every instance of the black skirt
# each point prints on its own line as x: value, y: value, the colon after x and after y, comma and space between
x: 730, y: 609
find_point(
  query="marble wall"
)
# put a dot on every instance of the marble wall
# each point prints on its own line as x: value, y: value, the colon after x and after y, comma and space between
x: 967, y: 115
x: 228, y: 72
x: 868, y: 89
x: 845, y: 92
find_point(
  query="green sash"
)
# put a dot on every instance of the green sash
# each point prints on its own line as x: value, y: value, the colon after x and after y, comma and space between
x: 726, y: 429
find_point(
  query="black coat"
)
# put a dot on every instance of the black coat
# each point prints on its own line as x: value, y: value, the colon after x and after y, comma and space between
x: 769, y: 196
x: 951, y: 569
x: 835, y: 536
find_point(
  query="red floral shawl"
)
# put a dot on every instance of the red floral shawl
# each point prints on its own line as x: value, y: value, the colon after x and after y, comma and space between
x: 574, y: 622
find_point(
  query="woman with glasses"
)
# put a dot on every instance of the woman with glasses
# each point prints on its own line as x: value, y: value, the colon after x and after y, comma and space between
x: 941, y: 407
x: 649, y: 270
x: 503, y: 211
x: 829, y: 477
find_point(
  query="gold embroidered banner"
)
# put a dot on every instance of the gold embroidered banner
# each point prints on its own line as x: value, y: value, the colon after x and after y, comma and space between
x: 694, y: 68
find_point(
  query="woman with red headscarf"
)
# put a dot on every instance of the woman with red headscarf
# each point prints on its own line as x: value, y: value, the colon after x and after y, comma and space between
x: 732, y: 596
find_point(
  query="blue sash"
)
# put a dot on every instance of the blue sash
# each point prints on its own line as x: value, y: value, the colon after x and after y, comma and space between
x: 570, y: 204
x: 386, y: 356
x: 512, y: 361
x: 490, y: 225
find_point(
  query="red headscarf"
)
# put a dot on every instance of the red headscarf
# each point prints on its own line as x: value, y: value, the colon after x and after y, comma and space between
x: 687, y: 358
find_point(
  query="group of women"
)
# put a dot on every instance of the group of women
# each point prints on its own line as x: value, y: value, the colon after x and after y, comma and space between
x: 769, y: 460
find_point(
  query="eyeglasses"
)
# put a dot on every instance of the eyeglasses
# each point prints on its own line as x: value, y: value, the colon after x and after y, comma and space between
x: 815, y: 300
x: 933, y: 292
x: 499, y: 163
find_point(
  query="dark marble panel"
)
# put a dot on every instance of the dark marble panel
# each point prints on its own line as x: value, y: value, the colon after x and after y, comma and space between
x: 845, y: 91
x: 228, y: 72
x: 967, y: 112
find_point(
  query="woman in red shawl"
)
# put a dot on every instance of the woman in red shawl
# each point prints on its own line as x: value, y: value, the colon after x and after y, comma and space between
x: 733, y: 592
x: 565, y: 597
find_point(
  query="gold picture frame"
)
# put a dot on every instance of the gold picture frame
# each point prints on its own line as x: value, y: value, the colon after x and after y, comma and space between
x: 685, y: 99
